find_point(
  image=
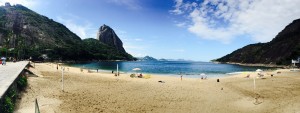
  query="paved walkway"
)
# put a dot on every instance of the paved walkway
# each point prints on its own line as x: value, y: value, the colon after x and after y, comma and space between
x: 8, y: 73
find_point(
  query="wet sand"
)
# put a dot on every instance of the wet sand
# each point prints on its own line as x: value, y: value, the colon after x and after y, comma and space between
x: 103, y: 92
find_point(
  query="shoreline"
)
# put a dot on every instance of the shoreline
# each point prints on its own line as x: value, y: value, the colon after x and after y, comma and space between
x: 253, y: 65
x: 189, y: 75
x: 103, y: 92
x: 175, y: 76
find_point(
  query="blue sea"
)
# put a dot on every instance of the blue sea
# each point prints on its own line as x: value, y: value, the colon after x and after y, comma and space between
x: 189, y: 69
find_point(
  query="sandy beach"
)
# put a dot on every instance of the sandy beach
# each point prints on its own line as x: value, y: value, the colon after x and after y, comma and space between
x: 103, y: 92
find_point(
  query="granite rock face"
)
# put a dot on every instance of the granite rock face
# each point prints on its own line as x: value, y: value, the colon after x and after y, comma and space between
x: 28, y: 28
x: 108, y: 36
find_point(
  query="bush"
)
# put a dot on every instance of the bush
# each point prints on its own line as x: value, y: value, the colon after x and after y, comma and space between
x: 7, y: 106
x: 12, y: 94
x: 22, y: 83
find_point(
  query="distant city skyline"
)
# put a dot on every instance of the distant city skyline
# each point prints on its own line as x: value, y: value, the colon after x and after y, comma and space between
x: 199, y: 30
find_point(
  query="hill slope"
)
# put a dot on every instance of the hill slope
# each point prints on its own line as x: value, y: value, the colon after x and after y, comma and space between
x: 24, y: 33
x: 281, y: 50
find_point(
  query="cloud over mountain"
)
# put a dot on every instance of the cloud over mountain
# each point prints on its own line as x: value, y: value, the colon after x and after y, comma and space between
x: 225, y: 20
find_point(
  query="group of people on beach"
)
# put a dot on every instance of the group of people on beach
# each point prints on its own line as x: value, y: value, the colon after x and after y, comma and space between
x: 203, y: 76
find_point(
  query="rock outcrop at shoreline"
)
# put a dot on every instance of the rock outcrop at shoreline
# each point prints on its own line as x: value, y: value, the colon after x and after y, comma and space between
x: 280, y: 51
x: 108, y: 36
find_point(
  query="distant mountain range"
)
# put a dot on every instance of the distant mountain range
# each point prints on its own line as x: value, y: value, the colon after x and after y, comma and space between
x: 149, y: 58
x: 280, y: 51
x: 24, y: 34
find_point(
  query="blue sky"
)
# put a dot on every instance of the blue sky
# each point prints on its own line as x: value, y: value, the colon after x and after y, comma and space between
x: 199, y: 30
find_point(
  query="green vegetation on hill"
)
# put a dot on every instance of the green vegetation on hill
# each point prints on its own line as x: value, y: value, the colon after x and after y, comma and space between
x: 24, y: 34
x: 281, y: 50
x: 99, y: 51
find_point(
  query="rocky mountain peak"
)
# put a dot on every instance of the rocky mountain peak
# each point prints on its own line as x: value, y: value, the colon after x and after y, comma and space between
x: 26, y: 34
x: 108, y: 36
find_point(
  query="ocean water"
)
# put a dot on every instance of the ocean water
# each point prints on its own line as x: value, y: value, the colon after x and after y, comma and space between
x: 170, y: 68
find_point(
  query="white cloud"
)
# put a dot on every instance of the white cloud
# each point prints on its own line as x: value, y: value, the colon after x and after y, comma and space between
x: 133, y: 46
x: 130, y: 4
x: 181, y: 24
x: 177, y: 7
x: 181, y: 7
x: 224, y: 20
x: 135, y: 49
x: 83, y: 31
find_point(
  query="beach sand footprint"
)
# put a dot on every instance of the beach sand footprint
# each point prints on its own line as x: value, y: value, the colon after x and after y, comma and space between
x: 249, y: 102
x: 258, y: 99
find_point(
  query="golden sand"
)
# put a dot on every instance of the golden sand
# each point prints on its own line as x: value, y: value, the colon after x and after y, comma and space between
x: 103, y: 92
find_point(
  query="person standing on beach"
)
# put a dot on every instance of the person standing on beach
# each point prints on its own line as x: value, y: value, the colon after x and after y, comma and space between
x: 3, y: 60
x: 57, y: 67
x: 180, y: 76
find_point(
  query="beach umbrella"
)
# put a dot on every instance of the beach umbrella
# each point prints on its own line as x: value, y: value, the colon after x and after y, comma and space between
x: 203, y: 75
x: 136, y: 69
x: 259, y: 70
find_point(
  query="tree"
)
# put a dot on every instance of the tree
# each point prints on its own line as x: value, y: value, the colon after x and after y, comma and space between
x: 7, y: 41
